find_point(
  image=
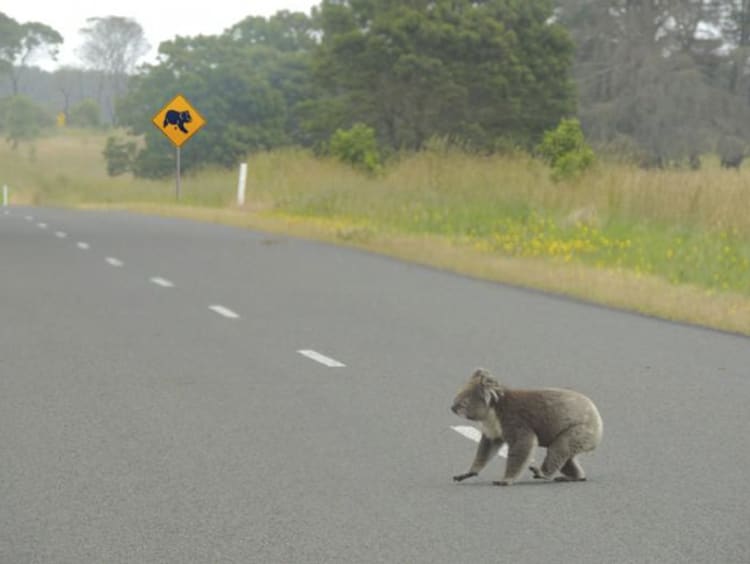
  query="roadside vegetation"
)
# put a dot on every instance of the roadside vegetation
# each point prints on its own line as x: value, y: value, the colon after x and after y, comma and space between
x: 673, y: 243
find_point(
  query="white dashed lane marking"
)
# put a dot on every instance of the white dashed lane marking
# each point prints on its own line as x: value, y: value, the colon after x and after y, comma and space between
x: 163, y: 282
x: 475, y: 435
x: 322, y: 359
x: 224, y: 311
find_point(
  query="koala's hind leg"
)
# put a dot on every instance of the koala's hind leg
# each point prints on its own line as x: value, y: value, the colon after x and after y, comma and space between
x: 571, y: 472
x: 561, y: 455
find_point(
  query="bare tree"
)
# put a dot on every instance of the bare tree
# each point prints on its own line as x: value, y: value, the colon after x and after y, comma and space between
x: 113, y: 46
x: 69, y: 81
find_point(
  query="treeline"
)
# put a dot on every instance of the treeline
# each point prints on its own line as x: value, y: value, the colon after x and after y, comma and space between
x: 661, y: 82
x: 80, y: 96
x: 64, y: 90
x: 489, y: 74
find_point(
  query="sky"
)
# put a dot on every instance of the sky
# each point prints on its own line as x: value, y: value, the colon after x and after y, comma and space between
x: 160, y: 19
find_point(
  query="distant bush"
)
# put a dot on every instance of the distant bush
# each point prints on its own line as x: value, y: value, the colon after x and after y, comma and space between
x: 153, y: 164
x: 565, y: 150
x: 123, y: 156
x: 85, y: 114
x: 120, y: 156
x: 21, y: 119
x: 357, y: 146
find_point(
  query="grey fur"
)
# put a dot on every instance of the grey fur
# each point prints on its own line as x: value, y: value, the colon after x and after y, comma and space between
x: 567, y: 423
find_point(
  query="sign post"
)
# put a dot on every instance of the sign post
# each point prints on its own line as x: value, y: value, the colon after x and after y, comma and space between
x: 179, y: 180
x: 178, y: 120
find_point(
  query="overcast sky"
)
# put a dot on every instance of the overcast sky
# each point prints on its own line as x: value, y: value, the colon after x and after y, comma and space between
x: 160, y: 19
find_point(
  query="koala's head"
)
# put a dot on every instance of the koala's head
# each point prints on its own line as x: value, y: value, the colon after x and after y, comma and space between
x: 475, y: 399
x: 186, y: 116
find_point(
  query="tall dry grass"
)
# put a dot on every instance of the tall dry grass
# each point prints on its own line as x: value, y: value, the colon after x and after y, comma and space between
x: 70, y: 168
x: 688, y: 227
x: 456, y: 184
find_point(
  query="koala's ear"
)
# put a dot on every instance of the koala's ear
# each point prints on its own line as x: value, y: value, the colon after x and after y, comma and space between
x: 483, y: 377
x: 480, y: 374
x: 491, y: 389
x: 491, y: 394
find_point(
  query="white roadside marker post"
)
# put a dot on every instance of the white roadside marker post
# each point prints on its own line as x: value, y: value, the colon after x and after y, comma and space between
x: 241, y: 185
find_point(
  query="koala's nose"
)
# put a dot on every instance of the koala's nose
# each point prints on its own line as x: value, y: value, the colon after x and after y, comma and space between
x: 454, y: 409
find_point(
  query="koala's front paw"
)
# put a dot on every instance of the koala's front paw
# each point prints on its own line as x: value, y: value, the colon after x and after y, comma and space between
x: 462, y: 477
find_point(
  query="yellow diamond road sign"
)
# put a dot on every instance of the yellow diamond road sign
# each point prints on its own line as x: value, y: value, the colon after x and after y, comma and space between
x: 178, y: 120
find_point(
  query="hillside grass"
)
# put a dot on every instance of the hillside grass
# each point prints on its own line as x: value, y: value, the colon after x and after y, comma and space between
x: 670, y: 243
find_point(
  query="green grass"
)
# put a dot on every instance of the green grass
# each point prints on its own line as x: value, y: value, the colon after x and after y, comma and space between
x: 680, y: 228
x: 510, y: 207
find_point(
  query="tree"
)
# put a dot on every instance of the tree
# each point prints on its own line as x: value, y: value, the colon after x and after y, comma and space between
x: 251, y: 84
x: 484, y: 71
x: 113, y: 45
x: 652, y: 74
x: 284, y: 31
x: 736, y: 22
x: 69, y: 81
x: 22, y: 119
x: 280, y: 49
x: 20, y: 43
x: 736, y: 31
x: 417, y: 68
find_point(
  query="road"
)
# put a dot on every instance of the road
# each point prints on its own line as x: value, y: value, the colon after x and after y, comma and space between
x: 139, y: 425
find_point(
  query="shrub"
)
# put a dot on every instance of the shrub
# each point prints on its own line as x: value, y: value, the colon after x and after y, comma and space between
x: 153, y: 164
x: 565, y: 150
x: 356, y: 146
x: 85, y: 114
x: 119, y: 155
x: 22, y: 119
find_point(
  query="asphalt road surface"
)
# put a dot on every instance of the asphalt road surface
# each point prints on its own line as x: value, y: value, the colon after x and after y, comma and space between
x: 155, y: 408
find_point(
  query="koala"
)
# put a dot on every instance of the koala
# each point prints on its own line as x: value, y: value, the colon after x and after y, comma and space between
x: 564, y: 421
x: 173, y: 117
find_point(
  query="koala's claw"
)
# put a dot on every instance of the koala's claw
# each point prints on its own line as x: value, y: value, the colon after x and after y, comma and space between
x: 462, y: 477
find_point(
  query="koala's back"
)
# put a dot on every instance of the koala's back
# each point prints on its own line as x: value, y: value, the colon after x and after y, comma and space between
x: 549, y: 412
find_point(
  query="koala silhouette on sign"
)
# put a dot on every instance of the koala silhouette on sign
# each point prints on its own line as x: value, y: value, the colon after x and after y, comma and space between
x: 179, y: 119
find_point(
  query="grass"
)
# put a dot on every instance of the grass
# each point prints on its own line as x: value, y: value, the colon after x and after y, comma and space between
x: 670, y: 243
x: 686, y: 227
